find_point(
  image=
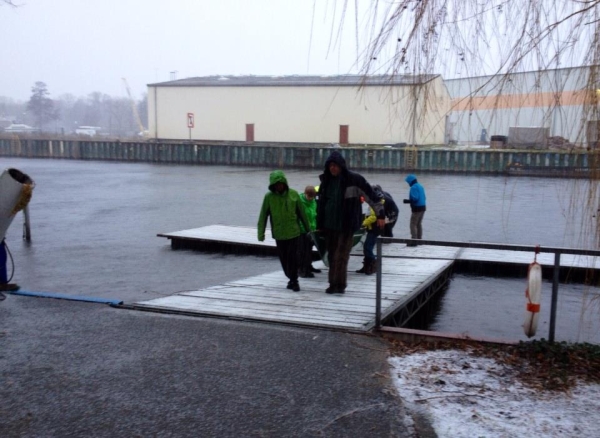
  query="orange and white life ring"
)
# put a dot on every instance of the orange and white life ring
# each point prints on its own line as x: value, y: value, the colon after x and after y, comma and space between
x: 533, y: 294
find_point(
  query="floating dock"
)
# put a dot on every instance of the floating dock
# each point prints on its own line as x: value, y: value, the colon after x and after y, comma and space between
x: 266, y: 298
x: 222, y: 238
x: 410, y: 277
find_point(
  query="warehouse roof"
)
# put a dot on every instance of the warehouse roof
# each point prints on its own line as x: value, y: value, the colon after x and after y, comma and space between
x: 296, y: 80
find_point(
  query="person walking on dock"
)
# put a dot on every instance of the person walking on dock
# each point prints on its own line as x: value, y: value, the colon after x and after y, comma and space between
x: 339, y: 215
x: 306, y: 269
x: 391, y: 211
x: 417, y: 201
x: 370, y: 225
x: 282, y: 206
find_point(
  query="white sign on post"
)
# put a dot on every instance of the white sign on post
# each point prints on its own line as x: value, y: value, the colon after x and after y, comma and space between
x: 190, y: 120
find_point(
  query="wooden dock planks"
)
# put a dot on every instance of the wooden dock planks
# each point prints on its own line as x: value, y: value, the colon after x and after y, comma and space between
x: 265, y: 297
x: 222, y: 233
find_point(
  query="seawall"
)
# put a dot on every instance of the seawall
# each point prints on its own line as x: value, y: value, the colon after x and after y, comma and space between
x: 579, y: 163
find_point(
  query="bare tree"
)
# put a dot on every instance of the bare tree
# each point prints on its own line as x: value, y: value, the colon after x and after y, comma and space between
x: 142, y: 107
x: 492, y: 38
x: 474, y: 37
x: 468, y: 38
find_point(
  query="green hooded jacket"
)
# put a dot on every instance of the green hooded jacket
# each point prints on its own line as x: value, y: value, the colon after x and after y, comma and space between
x: 284, y: 211
x: 310, y: 209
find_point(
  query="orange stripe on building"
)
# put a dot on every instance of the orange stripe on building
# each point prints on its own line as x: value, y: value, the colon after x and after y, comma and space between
x: 503, y: 101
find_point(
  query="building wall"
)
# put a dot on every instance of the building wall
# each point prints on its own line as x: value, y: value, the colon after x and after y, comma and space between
x: 311, y: 114
x: 555, y: 99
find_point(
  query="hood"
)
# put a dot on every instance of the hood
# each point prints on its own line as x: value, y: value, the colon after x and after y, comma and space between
x: 275, y: 177
x: 335, y: 157
x: 411, y: 179
x: 378, y: 190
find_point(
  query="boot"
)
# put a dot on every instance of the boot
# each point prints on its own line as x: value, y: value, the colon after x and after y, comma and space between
x: 370, y: 267
x: 364, y: 267
x: 9, y: 287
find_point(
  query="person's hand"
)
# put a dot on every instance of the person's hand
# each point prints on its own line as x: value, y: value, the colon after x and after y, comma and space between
x: 406, y: 201
x: 381, y: 223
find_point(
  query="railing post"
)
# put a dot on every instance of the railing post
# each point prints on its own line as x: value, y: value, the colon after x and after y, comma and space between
x: 26, y: 224
x: 555, y: 277
x: 378, y: 287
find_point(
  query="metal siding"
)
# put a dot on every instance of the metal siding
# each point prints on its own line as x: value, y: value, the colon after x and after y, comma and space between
x: 303, y: 114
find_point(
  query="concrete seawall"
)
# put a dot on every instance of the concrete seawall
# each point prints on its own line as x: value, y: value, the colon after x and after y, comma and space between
x: 487, y: 161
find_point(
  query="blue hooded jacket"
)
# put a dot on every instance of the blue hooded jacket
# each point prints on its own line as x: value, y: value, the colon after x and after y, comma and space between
x: 416, y: 194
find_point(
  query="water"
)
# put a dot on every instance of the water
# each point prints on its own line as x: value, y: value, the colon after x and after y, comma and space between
x: 94, y: 227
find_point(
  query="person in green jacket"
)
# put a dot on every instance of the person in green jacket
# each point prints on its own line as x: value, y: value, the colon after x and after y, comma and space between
x: 282, y: 206
x: 307, y: 198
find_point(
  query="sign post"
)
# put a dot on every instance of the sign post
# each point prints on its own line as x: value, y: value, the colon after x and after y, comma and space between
x: 190, y: 123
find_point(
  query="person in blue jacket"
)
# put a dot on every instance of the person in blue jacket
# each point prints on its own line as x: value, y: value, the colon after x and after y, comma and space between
x: 418, y: 205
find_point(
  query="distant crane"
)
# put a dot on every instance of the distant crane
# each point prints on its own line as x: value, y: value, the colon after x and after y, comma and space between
x: 136, y: 114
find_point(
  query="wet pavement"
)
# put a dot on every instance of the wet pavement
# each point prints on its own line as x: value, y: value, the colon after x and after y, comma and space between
x: 78, y: 369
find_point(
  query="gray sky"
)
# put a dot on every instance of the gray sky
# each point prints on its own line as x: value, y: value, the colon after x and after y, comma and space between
x: 81, y: 46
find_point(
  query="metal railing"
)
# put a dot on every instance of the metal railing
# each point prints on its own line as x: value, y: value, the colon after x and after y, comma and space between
x: 506, y: 247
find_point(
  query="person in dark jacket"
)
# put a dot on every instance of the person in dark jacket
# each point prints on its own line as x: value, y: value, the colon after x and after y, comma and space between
x: 339, y: 215
x: 417, y: 201
x: 283, y: 207
x: 391, y: 211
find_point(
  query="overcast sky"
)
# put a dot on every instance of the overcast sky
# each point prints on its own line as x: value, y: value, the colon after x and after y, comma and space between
x: 82, y: 46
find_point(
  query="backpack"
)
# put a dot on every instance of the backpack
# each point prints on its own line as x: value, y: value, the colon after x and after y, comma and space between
x: 390, y: 207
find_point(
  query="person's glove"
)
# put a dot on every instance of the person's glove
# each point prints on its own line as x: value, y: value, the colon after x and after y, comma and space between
x: 261, y: 238
x: 406, y: 201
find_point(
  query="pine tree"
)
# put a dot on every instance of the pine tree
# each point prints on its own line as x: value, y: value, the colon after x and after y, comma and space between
x: 41, y: 106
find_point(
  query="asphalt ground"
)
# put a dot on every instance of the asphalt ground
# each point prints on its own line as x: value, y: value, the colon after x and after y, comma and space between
x: 70, y: 368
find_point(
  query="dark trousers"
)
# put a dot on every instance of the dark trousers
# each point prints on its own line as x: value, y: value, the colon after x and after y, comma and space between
x: 387, y: 231
x: 305, y: 254
x: 416, y: 227
x: 369, y: 244
x: 288, y: 256
x: 339, y: 245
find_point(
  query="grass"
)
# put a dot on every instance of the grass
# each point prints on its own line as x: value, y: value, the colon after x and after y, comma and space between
x: 539, y: 364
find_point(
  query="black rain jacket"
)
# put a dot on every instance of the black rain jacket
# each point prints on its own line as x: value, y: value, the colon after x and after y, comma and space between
x: 353, y: 186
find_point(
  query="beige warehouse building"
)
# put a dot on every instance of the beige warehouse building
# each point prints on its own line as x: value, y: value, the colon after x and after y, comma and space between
x: 349, y: 109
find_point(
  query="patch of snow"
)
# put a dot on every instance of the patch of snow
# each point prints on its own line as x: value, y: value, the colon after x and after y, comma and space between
x: 470, y: 396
